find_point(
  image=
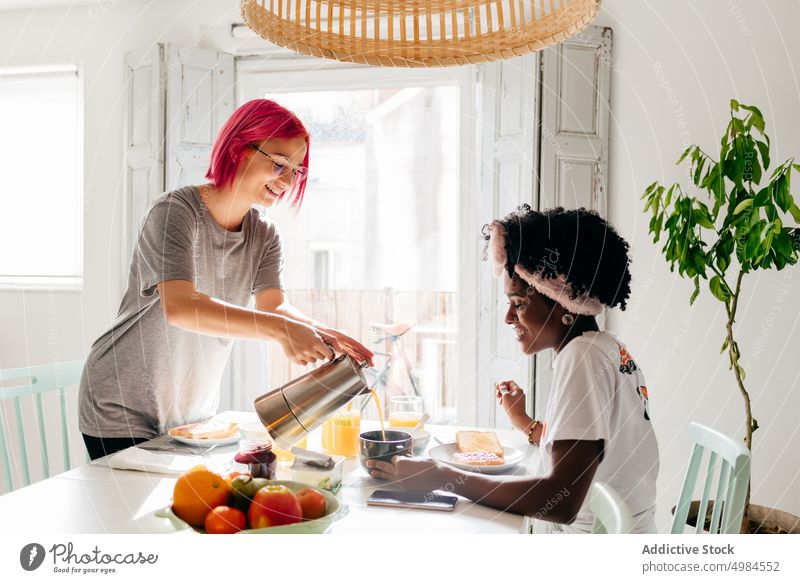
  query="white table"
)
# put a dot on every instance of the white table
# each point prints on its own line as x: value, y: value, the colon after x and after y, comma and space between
x: 94, y: 498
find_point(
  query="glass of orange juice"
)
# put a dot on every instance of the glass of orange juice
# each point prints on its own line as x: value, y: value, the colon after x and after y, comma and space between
x: 405, y: 411
x: 340, y: 433
x: 286, y: 457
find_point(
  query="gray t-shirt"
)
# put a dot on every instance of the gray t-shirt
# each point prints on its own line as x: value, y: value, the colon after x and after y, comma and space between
x: 143, y: 375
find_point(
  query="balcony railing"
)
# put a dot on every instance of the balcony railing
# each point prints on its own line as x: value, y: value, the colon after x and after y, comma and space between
x: 430, y: 345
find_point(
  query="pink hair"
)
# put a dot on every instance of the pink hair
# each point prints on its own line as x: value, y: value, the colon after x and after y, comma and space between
x: 256, y: 120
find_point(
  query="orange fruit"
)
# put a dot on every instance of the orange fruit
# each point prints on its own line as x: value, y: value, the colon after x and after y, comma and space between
x: 197, y: 492
x: 225, y: 520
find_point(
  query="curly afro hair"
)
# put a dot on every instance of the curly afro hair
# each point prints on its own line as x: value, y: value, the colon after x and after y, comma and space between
x: 575, y: 243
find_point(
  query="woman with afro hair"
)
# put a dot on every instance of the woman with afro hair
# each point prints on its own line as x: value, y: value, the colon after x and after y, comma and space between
x: 561, y: 268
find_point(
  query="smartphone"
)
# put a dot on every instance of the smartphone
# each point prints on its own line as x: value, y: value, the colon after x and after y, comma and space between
x: 404, y: 499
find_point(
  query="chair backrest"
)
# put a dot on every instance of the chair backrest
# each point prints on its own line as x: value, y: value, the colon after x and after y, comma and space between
x: 34, y: 381
x: 733, y: 479
x: 611, y: 514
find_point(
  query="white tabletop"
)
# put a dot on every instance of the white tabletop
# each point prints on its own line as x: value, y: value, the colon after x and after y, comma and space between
x: 94, y: 498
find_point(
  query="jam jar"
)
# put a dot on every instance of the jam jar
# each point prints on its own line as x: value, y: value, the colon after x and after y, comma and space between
x: 257, y: 454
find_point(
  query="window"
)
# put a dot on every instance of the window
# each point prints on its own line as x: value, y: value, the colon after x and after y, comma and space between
x: 380, y: 219
x: 41, y: 199
x: 329, y: 265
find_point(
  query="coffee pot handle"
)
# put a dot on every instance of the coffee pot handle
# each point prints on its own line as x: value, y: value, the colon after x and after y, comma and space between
x: 363, y: 364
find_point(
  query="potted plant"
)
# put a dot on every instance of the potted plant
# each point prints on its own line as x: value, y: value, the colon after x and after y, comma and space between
x: 740, y: 230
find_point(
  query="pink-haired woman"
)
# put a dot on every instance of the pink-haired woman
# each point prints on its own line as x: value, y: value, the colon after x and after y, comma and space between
x: 203, y: 252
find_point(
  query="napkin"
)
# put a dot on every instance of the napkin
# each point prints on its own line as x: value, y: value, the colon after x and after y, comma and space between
x: 156, y: 462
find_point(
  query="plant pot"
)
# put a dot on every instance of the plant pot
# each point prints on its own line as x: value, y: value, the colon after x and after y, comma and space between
x: 763, y: 519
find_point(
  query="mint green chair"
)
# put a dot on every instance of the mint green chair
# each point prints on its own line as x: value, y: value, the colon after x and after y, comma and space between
x: 732, y: 482
x: 34, y: 381
x: 611, y: 514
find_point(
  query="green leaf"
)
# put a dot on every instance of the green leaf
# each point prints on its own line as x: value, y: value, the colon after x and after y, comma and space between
x: 795, y: 211
x: 782, y: 243
x: 700, y: 217
x: 719, y: 289
x: 723, y: 261
x: 741, y: 372
x: 781, y: 191
x: 762, y: 196
x: 724, y: 346
x: 685, y: 153
x: 669, y: 195
x: 763, y: 149
x: 699, y: 261
x: 752, y: 244
x: 649, y: 188
x: 698, y: 171
x: 755, y: 421
x: 745, y: 204
x: 734, y: 105
x: 696, y: 291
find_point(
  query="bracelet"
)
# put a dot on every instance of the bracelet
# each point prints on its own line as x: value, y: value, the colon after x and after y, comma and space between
x: 530, y: 431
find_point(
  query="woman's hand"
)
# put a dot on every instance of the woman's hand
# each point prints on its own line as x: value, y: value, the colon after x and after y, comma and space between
x: 512, y: 398
x: 304, y: 344
x: 352, y: 347
x: 410, y: 473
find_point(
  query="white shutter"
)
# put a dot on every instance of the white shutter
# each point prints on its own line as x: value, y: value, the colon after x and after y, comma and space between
x: 178, y: 99
x: 199, y: 99
x: 509, y: 153
x: 574, y: 139
x: 144, y: 135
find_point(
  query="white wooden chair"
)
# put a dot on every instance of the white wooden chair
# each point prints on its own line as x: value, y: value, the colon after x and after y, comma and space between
x: 35, y: 381
x: 733, y: 479
x: 611, y: 514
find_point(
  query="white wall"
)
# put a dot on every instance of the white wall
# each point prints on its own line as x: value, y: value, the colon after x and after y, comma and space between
x: 708, y: 52
x: 675, y: 67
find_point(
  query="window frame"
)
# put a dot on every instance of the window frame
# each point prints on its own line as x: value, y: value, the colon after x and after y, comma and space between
x: 260, y: 74
x: 61, y: 283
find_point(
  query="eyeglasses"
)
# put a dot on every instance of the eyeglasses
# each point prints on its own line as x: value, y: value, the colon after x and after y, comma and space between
x: 282, y: 169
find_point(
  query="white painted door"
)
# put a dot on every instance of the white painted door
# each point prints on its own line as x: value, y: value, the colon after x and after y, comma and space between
x: 178, y: 99
x: 199, y: 100
x: 508, y: 132
x: 144, y: 139
x: 574, y: 140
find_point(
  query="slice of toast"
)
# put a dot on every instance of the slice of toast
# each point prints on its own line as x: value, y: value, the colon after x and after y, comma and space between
x: 478, y: 441
x: 210, y: 429
x: 478, y: 458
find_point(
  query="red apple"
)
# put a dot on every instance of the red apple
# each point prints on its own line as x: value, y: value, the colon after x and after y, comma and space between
x: 274, y: 505
x: 312, y: 503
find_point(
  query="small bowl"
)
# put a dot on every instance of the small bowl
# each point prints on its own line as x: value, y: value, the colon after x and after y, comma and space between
x: 371, y: 446
x: 421, y: 439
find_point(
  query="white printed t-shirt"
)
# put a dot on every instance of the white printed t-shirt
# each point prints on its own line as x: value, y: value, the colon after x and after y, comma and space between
x: 599, y: 393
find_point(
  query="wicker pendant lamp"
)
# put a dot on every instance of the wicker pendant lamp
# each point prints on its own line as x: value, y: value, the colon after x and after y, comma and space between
x: 417, y: 33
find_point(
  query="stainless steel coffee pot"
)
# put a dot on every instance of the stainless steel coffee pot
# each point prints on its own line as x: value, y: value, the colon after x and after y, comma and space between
x: 301, y: 405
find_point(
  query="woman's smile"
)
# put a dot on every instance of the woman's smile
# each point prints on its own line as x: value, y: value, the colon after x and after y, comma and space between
x: 272, y: 193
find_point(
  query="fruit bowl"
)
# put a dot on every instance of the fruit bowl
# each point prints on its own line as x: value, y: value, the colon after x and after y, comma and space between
x: 334, y: 510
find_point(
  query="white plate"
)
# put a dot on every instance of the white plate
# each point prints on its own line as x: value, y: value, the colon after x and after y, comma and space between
x: 201, y: 442
x: 444, y: 453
